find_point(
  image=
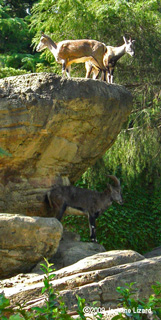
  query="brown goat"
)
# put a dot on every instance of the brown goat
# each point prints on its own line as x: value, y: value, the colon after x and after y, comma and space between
x: 74, y: 51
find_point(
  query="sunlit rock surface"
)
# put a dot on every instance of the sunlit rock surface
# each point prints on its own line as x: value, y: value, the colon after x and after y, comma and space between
x: 53, y: 127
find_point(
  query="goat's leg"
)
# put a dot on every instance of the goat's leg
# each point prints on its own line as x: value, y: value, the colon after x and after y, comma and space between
x: 103, y: 75
x: 95, y: 73
x: 92, y: 227
x: 61, y: 212
x: 111, y: 74
x: 63, y: 68
x: 68, y: 68
x: 88, y: 66
x: 108, y: 75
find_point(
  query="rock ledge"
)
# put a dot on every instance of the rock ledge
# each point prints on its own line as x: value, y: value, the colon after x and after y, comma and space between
x: 53, y: 127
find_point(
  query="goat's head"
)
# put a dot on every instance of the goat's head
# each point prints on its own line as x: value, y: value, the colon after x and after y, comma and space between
x: 129, y: 46
x: 43, y: 42
x: 115, y: 190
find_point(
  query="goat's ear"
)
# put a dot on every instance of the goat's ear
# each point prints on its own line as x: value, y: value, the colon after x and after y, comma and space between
x: 109, y: 187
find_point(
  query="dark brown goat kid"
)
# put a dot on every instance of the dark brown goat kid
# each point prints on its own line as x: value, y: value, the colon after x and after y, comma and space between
x: 91, y: 203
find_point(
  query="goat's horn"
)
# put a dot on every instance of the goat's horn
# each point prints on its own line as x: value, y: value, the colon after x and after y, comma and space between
x: 116, y: 181
x: 42, y: 32
x: 124, y: 38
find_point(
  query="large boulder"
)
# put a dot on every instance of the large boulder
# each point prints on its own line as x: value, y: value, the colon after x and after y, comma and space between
x: 94, y: 278
x: 25, y: 241
x: 53, y: 127
x: 71, y: 250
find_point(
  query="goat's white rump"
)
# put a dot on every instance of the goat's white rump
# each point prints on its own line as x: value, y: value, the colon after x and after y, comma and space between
x: 74, y: 51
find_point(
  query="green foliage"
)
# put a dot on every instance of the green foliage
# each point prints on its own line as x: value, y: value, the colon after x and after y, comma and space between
x: 17, y: 8
x: 21, y: 61
x: 8, y: 72
x: 138, y: 309
x: 136, y: 152
x: 81, y: 305
x: 15, y: 36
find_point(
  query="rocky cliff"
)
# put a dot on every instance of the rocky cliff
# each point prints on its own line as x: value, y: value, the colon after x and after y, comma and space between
x: 53, y: 127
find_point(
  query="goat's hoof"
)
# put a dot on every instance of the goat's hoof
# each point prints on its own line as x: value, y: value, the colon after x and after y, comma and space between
x: 94, y: 240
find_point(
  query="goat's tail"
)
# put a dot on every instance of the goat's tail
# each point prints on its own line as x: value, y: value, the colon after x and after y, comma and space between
x: 106, y: 59
x: 105, y: 48
x: 49, y: 199
x: 52, y: 204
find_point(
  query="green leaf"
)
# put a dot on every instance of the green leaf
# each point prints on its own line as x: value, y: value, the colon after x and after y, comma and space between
x: 4, y: 302
x: 118, y: 317
x: 15, y: 317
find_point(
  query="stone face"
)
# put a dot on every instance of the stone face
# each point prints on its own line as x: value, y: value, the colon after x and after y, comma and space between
x: 156, y: 252
x: 71, y: 250
x: 52, y: 127
x: 25, y: 241
x: 94, y: 278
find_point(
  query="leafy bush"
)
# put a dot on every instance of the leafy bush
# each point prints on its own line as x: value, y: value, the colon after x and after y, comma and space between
x: 15, y: 36
x: 9, y: 72
x: 138, y: 309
